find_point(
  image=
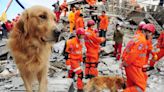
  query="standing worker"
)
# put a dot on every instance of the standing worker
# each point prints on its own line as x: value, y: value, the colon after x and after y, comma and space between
x: 80, y: 22
x: 118, y: 38
x: 134, y: 57
x: 71, y: 18
x: 64, y: 7
x: 103, y: 25
x: 92, y: 43
x: 74, y: 50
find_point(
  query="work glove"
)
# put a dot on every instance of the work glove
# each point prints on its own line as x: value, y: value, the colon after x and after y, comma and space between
x: 155, y: 57
x: 145, y: 69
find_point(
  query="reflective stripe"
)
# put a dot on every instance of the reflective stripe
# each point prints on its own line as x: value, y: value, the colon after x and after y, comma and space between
x: 77, y: 52
x: 139, y: 89
x: 87, y: 33
x: 142, y: 55
x: 79, y: 68
x: 88, y: 41
x: 68, y: 67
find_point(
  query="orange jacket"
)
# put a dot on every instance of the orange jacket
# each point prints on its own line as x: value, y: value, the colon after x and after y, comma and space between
x: 149, y: 47
x: 63, y: 5
x: 79, y: 23
x: 161, y: 40
x: 135, y: 51
x: 92, y: 42
x: 77, y: 14
x: 91, y: 2
x: 74, y: 48
x: 103, y: 22
x: 138, y: 31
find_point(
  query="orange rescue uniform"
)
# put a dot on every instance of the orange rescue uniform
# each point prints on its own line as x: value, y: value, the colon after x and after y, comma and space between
x: 74, y: 50
x: 135, y: 55
x: 92, y: 43
x: 103, y: 22
x: 91, y: 2
x: 77, y: 14
x: 80, y: 23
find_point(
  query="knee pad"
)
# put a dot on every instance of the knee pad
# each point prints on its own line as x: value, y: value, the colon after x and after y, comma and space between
x: 80, y: 75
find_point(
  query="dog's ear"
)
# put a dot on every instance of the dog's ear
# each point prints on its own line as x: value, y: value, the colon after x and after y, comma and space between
x: 21, y: 23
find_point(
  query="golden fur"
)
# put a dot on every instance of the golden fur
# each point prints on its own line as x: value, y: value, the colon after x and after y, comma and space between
x: 98, y: 84
x: 30, y: 44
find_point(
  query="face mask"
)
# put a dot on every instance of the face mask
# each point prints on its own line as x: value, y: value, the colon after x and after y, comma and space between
x: 81, y: 40
x: 119, y: 28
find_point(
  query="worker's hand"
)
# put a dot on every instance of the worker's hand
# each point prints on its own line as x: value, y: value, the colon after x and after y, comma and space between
x: 155, y: 57
x: 103, y: 39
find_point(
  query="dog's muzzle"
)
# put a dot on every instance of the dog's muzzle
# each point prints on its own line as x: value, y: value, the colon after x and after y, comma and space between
x: 56, y: 33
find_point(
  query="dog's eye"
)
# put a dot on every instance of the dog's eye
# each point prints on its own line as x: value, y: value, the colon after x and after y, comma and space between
x: 43, y: 16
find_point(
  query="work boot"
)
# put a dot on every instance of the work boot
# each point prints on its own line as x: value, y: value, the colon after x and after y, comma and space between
x: 80, y: 90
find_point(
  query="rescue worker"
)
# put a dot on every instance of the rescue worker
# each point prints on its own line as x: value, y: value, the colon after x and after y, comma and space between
x: 103, y: 25
x: 80, y: 22
x: 160, y: 46
x: 91, y: 2
x: 71, y: 18
x: 118, y: 38
x: 74, y: 50
x: 57, y: 11
x: 133, y: 58
x: 150, y: 27
x: 77, y: 13
x: 92, y: 44
x: 64, y: 7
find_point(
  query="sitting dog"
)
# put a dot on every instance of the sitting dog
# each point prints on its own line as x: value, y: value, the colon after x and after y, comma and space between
x: 98, y: 84
x: 30, y: 45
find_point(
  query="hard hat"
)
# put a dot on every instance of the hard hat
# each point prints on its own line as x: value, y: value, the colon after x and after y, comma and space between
x: 80, y: 31
x: 141, y: 24
x: 149, y: 27
x: 90, y: 23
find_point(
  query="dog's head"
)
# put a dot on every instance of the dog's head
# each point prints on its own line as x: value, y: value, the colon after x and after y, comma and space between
x: 38, y: 22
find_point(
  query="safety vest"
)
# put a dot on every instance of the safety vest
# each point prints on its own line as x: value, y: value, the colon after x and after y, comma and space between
x: 74, y: 48
x: 92, y: 43
x: 79, y: 23
x: 103, y: 22
x: 135, y: 51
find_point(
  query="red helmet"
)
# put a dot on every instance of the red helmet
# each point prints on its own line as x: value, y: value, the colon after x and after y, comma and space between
x: 80, y: 31
x: 141, y: 24
x: 90, y: 23
x: 149, y: 27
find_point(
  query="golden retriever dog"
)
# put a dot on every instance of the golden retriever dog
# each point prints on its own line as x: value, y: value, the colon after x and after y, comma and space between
x: 98, y: 84
x: 30, y: 45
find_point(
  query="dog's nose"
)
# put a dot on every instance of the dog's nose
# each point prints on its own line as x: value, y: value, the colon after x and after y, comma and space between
x: 56, y: 32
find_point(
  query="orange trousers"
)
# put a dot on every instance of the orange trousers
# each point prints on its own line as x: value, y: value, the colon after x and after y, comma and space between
x: 135, y: 79
x: 160, y: 55
x: 75, y: 69
x: 91, y: 67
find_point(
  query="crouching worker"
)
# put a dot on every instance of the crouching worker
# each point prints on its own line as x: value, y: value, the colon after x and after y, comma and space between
x: 74, y: 50
x: 92, y: 43
x: 134, y: 57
